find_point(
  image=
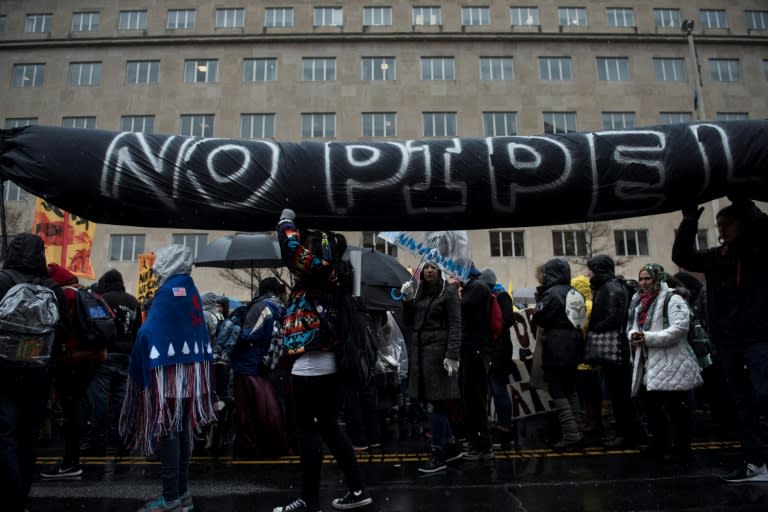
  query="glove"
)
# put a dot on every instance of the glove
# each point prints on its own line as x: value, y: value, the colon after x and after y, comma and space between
x: 692, y: 212
x: 287, y: 215
x: 407, y: 290
x: 451, y: 366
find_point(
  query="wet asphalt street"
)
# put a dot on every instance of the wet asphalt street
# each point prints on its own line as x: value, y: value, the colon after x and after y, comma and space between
x: 528, y: 479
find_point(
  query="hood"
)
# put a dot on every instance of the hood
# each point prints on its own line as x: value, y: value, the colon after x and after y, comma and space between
x: 111, y: 281
x: 603, y: 269
x: 61, y: 275
x: 172, y: 260
x: 691, y: 282
x: 556, y: 271
x: 488, y: 276
x: 209, y: 300
x: 26, y: 254
x: 581, y: 283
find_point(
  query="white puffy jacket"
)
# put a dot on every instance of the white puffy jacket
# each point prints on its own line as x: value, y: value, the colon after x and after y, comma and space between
x: 670, y: 364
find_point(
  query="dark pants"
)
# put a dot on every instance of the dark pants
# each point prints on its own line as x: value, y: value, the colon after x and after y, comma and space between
x: 174, y: 451
x: 669, y: 420
x: 473, y: 382
x: 22, y: 412
x: 71, y: 383
x: 502, y: 401
x: 316, y: 407
x: 361, y: 415
x: 106, y: 393
x: 618, y: 383
x: 746, y: 370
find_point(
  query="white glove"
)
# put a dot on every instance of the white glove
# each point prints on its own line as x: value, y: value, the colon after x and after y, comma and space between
x: 407, y: 290
x: 451, y: 366
x: 287, y: 215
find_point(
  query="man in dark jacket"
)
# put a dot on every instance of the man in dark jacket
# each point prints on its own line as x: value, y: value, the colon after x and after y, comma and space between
x: 24, y: 388
x: 737, y: 300
x: 108, y: 385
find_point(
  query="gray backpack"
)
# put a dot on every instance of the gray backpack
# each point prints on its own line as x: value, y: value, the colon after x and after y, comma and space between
x: 29, y: 314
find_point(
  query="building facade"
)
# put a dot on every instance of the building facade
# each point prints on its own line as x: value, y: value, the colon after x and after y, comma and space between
x: 386, y: 69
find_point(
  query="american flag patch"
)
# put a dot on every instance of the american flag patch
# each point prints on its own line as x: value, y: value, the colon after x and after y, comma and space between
x: 179, y: 292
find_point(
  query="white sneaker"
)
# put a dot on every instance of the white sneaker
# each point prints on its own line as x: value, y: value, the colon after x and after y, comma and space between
x: 747, y: 473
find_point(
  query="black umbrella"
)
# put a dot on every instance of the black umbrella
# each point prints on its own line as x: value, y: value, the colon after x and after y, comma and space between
x: 255, y: 250
x: 380, y: 276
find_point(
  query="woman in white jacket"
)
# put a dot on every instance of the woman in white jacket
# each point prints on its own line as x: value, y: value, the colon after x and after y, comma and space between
x: 666, y: 364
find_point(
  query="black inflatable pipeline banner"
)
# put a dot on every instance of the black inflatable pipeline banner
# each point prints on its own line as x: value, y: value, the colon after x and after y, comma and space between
x: 153, y: 180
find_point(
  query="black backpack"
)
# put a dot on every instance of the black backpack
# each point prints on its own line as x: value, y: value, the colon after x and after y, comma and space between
x: 95, y: 323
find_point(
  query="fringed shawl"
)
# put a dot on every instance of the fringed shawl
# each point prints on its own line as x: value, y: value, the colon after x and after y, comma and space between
x: 170, y: 368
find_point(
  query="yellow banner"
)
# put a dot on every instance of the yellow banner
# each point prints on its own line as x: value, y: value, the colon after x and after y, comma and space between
x: 147, y: 279
x: 68, y: 238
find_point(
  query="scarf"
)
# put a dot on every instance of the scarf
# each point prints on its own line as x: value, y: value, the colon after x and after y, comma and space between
x: 647, y: 300
x: 169, y: 377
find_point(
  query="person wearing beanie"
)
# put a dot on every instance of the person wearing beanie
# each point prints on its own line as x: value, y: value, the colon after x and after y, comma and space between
x: 75, y: 367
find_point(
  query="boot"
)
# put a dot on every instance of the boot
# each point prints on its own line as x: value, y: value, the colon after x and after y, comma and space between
x: 569, y: 429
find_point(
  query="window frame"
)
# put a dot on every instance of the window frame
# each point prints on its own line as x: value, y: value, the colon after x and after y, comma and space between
x: 569, y: 243
x: 516, y: 240
x: 83, y: 21
x: 45, y: 19
x: 516, y: 13
x: 640, y: 241
x: 178, y: 25
x: 271, y: 21
x: 193, y: 72
x: 564, y: 66
x: 419, y: 13
x: 320, y: 15
x: 660, y: 13
x: 269, y: 71
x: 196, y: 242
x: 446, y: 71
x: 133, y: 120
x: 757, y: 19
x: 611, y: 69
x: 717, y: 75
x: 492, y: 119
x: 564, y: 13
x: 377, y: 16
x: 475, y: 16
x: 731, y: 116
x: 310, y: 120
x: 84, y: 74
x: 720, y: 17
x: 448, y: 120
x: 125, y: 20
x: 675, y: 117
x: 13, y: 192
x: 20, y: 71
x: 558, y: 117
x: 378, y: 72
x: 152, y: 70
x: 132, y: 252
x: 197, y: 125
x: 267, y: 125
x: 20, y: 122
x: 373, y: 122
x: 612, y: 14
x: 371, y: 240
x: 318, y: 69
x: 664, y: 66
x: 79, y: 122
x: 222, y: 17
x: 626, y: 120
x: 496, y: 68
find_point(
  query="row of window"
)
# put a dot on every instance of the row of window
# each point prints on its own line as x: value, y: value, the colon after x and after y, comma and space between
x: 374, y: 124
x: 88, y: 74
x: 178, y: 19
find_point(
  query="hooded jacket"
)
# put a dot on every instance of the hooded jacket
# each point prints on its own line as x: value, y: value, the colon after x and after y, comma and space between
x: 126, y: 308
x: 609, y: 296
x: 475, y: 316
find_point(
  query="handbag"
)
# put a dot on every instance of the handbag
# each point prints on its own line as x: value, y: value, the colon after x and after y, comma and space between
x: 606, y: 347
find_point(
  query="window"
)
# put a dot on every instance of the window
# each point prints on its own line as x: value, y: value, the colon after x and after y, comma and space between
x: 559, y: 122
x: 675, y: 117
x: 125, y: 247
x: 144, y: 124
x: 569, y: 243
x: 713, y: 18
x: 555, y: 68
x: 230, y: 18
x: 527, y: 16
x: 38, y: 23
x: 13, y: 192
x: 499, y: 124
x: 475, y: 16
x: 426, y: 16
x: 725, y: 70
x: 329, y: 17
x: 613, y: 69
x: 133, y: 20
x: 83, y: 74
x: 377, y: 16
x: 497, y: 68
x: 732, y: 116
x: 620, y: 17
x: 19, y: 122
x: 318, y: 125
x: 379, y: 124
x: 195, y: 241
x: 28, y: 75
x: 667, y: 18
x: 2, y: 23
x: 618, y: 120
x: 631, y: 242
x: 507, y: 243
x: 85, y: 21
x: 79, y: 122
x: 378, y: 68
x: 260, y: 70
x: 372, y: 241
x: 757, y: 20
x: 257, y: 126
x: 181, y: 18
x: 278, y: 17
x: 197, y: 125
x: 670, y: 70
x: 318, y: 69
x: 201, y: 71
x: 439, y: 124
x: 142, y: 72
x: 572, y: 16
x: 437, y: 68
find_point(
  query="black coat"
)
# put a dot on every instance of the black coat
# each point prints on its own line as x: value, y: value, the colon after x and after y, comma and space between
x: 610, y: 300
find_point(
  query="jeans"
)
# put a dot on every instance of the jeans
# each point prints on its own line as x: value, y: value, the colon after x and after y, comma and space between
x: 71, y: 383
x: 316, y: 408
x: 22, y: 413
x: 107, y: 389
x: 501, y: 399
x: 746, y: 371
x: 175, y: 450
x: 440, y: 423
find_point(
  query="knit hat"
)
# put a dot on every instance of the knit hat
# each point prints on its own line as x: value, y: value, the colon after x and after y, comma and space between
x: 61, y: 275
x: 488, y: 276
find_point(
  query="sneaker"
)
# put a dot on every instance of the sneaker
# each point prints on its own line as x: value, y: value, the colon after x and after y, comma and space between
x: 478, y: 455
x: 566, y: 445
x: 359, y: 449
x: 501, y: 439
x: 353, y: 499
x: 62, y: 472
x: 186, y: 502
x: 160, y: 504
x: 295, y: 506
x: 452, y: 452
x: 434, y: 464
x: 747, y: 473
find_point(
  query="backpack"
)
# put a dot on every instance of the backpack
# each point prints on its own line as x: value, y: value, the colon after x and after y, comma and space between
x: 698, y: 340
x: 576, y: 308
x: 249, y: 335
x: 95, y: 324
x: 495, y: 319
x: 29, y: 315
